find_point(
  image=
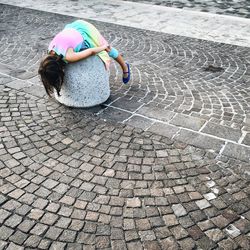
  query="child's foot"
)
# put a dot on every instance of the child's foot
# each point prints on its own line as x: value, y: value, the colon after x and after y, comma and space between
x: 126, y: 75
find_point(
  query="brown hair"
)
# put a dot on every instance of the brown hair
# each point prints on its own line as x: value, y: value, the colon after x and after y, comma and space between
x: 51, y: 71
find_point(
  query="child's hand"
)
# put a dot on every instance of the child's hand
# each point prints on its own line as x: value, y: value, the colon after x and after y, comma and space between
x: 108, y: 49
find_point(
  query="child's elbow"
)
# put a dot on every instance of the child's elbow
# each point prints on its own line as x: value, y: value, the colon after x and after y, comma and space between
x: 93, y: 52
x: 70, y: 58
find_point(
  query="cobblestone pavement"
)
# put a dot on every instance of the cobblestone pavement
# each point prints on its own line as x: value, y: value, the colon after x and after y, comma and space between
x: 71, y: 180
x: 192, y: 90
x: 239, y: 8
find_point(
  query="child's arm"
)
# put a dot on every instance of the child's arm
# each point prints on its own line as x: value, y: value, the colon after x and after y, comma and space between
x: 72, y: 56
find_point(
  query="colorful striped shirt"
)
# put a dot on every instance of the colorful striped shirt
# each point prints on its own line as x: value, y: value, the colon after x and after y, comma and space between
x: 79, y: 35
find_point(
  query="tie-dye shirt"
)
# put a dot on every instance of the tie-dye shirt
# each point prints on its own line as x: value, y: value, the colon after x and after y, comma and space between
x: 78, y: 35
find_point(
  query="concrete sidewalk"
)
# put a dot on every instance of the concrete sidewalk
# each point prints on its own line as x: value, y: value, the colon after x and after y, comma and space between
x: 207, y: 26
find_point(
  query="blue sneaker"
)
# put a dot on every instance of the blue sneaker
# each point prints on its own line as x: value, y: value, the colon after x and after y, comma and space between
x: 126, y: 79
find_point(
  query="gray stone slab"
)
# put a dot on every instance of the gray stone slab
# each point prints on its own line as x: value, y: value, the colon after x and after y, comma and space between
x: 163, y: 129
x: 127, y: 104
x: 156, y: 113
x: 26, y: 75
x: 115, y: 114
x: 237, y: 151
x: 35, y: 80
x: 199, y: 140
x: 18, y: 84
x: 4, y: 79
x: 222, y: 131
x: 139, y: 122
x: 186, y: 121
x: 38, y: 91
x: 11, y: 70
x: 246, y: 139
x: 6, y: 69
x: 247, y: 121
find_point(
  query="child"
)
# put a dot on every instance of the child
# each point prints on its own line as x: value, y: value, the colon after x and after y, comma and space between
x: 77, y: 41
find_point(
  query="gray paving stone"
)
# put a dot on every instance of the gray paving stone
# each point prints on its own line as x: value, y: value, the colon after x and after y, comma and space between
x: 65, y: 211
x: 206, y: 243
x: 32, y: 241
x: 13, y: 221
x: 200, y: 140
x: 53, y: 207
x: 139, y: 122
x: 204, y: 225
x: 185, y: 121
x: 115, y: 114
x: 39, y: 229
x: 3, y: 244
x: 127, y: 104
x: 18, y: 237
x: 13, y: 246
x: 179, y: 210
x: 40, y: 203
x: 147, y: 235
x: 170, y: 220
x: 237, y: 151
x: 162, y: 232
x: 220, y: 221
x: 57, y: 245
x: 53, y: 233
x: 163, y: 129
x: 232, y: 231
x: 169, y: 243
x: 222, y: 131
x: 135, y: 244
x: 49, y: 183
x: 44, y: 244
x: 88, y: 239
x: 186, y: 221
x: 156, y: 113
x: 68, y: 236
x: 202, y: 204
x: 63, y: 222
x: 228, y: 243
x: 26, y: 225
x: 215, y: 234
x: 246, y: 139
x: 78, y: 214
x: 5, y: 232
x: 118, y: 245
x: 3, y: 215
x: 76, y: 225
x: 35, y: 214
x: 117, y: 234
x: 195, y: 232
x: 133, y: 202
x: 102, y: 242
x: 187, y: 243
